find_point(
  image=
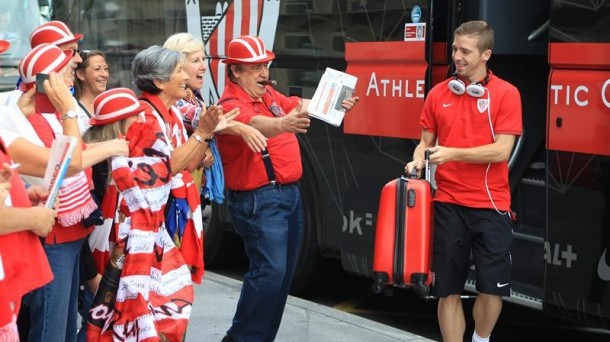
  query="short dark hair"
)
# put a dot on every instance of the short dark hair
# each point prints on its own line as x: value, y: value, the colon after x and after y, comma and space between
x: 230, y: 75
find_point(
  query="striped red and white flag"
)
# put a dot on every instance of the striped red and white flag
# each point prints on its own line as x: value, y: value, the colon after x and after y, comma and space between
x: 240, y: 17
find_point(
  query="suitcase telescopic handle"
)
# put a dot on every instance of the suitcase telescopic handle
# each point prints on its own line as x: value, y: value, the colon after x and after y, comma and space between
x: 427, y: 165
x: 426, y: 170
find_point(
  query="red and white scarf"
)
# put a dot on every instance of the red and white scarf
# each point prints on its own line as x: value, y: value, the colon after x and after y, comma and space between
x: 191, y: 241
x: 155, y: 292
x: 75, y: 201
x: 103, y: 237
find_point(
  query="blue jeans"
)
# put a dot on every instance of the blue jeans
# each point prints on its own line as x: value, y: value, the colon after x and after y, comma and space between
x: 53, y: 307
x: 269, y: 221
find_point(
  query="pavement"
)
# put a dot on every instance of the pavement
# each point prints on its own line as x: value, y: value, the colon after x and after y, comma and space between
x: 303, y: 321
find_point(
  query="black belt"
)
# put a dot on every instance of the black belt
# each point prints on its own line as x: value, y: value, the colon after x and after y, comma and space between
x: 270, y: 186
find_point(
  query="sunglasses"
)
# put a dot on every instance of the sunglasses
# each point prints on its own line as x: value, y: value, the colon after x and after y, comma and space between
x: 82, y: 53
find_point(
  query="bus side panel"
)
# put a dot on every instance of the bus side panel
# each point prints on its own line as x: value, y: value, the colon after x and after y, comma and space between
x: 577, y: 277
x: 391, y: 80
x: 579, y: 98
x: 577, y: 272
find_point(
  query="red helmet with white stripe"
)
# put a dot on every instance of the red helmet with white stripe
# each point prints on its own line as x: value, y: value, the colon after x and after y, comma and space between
x: 247, y: 50
x: 44, y: 58
x: 53, y: 32
x: 4, y: 45
x: 114, y: 105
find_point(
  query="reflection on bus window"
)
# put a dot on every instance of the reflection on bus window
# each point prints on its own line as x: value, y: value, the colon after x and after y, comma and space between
x: 18, y: 18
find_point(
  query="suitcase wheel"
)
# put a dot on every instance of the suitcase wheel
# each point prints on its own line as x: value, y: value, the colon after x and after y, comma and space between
x: 381, y: 278
x: 388, y: 291
x: 421, y: 289
x: 377, y: 288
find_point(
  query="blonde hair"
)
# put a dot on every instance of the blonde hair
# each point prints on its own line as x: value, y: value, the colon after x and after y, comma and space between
x: 479, y: 29
x: 99, y: 133
x: 183, y: 42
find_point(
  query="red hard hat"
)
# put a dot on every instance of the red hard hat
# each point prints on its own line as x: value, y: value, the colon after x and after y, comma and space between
x: 4, y: 45
x: 247, y: 50
x: 114, y: 105
x: 44, y: 58
x: 53, y: 32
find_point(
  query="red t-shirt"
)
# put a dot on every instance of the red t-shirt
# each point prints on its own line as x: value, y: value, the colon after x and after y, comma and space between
x: 464, y: 121
x: 243, y: 168
x: 24, y: 261
x: 59, y: 234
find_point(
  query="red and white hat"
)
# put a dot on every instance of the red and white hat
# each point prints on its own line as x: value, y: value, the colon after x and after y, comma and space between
x: 114, y: 105
x: 4, y: 45
x: 53, y: 32
x: 247, y: 50
x: 44, y: 58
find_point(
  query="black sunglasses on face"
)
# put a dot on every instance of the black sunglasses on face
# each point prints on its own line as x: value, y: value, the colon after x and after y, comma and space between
x: 82, y: 53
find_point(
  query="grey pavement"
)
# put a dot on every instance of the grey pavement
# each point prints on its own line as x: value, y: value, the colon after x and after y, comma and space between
x: 303, y: 321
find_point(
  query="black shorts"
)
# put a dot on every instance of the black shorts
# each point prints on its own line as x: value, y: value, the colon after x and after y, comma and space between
x: 464, y: 236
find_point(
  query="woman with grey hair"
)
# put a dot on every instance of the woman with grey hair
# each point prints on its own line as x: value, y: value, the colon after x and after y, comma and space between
x: 159, y: 73
x: 212, y: 181
x: 155, y: 269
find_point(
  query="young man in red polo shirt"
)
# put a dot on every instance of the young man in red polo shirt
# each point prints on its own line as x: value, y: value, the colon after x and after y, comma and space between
x: 469, y: 125
x: 264, y: 197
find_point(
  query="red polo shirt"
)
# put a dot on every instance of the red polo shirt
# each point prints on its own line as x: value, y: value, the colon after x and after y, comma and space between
x: 243, y: 168
x: 466, y: 121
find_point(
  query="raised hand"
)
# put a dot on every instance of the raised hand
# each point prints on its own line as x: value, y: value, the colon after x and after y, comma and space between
x: 209, y: 119
x: 295, y: 122
x: 226, y: 119
x: 58, y: 93
x: 26, y: 102
x: 349, y: 104
x: 255, y: 140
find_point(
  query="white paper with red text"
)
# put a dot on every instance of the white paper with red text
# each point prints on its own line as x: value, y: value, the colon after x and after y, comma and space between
x: 61, y: 153
x: 334, y: 87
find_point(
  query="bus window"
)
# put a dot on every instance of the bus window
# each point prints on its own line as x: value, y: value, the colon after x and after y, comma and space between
x: 17, y: 20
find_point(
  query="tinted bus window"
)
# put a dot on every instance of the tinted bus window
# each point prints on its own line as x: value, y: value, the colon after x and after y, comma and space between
x: 580, y: 21
x: 17, y: 20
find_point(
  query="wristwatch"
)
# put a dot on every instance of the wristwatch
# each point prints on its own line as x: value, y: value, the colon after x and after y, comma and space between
x: 71, y: 114
x: 201, y: 140
x: 198, y: 138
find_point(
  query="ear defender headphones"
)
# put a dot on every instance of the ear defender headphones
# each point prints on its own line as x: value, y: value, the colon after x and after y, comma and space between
x: 475, y: 89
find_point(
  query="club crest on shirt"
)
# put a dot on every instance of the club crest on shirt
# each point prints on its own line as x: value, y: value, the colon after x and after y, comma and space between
x: 482, y: 105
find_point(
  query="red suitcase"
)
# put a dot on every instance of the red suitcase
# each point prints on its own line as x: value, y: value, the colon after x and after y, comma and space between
x: 403, y: 236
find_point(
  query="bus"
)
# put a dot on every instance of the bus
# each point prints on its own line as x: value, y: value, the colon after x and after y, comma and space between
x: 555, y: 52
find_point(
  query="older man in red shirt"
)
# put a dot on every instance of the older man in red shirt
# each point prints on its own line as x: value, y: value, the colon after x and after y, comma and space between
x: 264, y: 196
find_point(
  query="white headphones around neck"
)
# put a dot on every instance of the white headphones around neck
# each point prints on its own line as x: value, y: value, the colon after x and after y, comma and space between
x: 475, y: 89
